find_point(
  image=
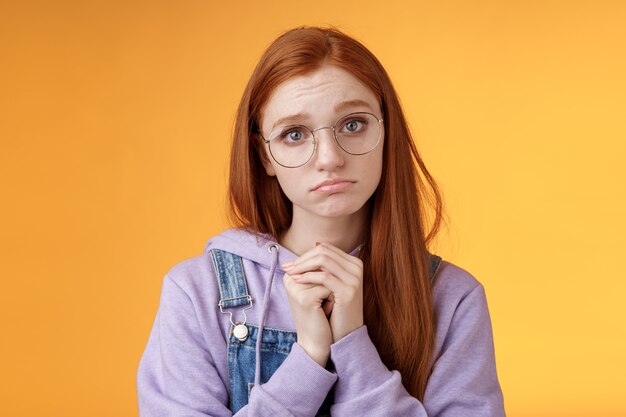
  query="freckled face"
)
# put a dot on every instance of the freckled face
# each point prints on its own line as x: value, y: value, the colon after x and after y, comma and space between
x: 319, y: 99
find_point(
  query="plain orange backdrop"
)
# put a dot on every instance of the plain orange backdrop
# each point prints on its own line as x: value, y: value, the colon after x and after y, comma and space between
x: 115, y: 120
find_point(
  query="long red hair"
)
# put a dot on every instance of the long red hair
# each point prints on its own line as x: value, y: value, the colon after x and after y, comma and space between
x: 406, y: 209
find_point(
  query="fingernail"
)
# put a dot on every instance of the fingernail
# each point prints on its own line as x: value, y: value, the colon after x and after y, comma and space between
x: 287, y: 264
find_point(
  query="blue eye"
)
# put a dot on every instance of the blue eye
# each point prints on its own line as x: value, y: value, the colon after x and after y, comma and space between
x: 294, y: 135
x: 353, y: 126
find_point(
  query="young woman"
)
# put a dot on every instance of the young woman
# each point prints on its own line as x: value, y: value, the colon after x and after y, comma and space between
x: 324, y: 300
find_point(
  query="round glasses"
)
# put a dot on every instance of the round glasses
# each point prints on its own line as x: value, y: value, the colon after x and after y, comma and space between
x: 292, y: 146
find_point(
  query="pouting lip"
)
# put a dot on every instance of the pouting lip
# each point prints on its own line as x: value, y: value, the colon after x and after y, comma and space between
x: 331, y: 182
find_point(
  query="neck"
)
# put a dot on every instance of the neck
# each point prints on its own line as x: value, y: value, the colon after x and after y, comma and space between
x: 345, y: 232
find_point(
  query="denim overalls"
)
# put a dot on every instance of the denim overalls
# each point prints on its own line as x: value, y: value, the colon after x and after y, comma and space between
x: 276, y: 343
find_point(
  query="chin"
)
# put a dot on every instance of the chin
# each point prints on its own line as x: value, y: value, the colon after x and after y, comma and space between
x: 338, y: 208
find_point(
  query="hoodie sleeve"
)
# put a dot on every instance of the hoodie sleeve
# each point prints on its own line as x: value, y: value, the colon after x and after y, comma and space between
x: 178, y: 376
x: 463, y: 381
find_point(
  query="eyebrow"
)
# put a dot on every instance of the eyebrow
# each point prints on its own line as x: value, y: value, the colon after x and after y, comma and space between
x: 339, y: 108
x: 344, y: 105
x: 290, y: 119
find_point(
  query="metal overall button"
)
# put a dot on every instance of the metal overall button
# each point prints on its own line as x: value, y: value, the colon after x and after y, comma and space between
x: 240, y: 330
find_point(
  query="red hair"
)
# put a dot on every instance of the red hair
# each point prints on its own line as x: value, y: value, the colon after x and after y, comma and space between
x: 406, y: 209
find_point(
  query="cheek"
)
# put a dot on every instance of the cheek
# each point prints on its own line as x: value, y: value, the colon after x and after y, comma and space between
x: 373, y: 168
x: 288, y: 183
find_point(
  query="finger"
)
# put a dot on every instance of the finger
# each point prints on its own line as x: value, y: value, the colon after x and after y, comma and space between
x: 291, y: 283
x: 323, y: 254
x: 318, y: 293
x: 322, y: 278
x: 296, y: 283
x: 306, y: 255
x: 329, y: 264
x: 349, y: 258
x: 322, y: 263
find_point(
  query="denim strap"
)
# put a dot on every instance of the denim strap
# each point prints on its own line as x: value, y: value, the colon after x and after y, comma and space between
x: 231, y: 279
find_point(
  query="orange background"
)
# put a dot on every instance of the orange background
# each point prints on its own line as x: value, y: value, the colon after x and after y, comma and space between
x: 115, y: 120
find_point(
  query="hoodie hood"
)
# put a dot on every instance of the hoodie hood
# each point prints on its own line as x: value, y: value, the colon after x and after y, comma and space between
x: 254, y: 247
x: 249, y: 245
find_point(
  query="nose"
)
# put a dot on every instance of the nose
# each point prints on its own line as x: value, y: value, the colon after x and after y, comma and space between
x: 329, y: 153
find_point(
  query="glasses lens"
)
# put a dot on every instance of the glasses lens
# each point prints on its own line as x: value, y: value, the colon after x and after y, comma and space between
x: 291, y: 146
x: 358, y: 133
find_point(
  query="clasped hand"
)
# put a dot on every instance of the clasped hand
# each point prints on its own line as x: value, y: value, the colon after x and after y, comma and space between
x: 325, y: 291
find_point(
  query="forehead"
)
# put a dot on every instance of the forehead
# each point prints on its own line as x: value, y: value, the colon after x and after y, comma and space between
x: 316, y: 95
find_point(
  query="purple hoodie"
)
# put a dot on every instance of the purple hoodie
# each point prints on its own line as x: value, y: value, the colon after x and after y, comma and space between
x: 184, y: 369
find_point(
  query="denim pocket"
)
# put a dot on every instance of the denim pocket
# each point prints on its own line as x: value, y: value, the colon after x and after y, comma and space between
x: 275, y: 347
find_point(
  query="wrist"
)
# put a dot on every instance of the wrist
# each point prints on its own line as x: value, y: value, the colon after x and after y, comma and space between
x: 318, y: 355
x: 342, y: 329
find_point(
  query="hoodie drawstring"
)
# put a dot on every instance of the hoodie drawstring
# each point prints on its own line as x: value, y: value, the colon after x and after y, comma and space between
x: 266, y: 299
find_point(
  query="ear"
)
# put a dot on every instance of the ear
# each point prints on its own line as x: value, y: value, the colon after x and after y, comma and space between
x: 269, y: 169
x: 265, y: 158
